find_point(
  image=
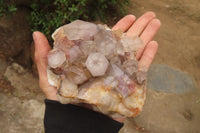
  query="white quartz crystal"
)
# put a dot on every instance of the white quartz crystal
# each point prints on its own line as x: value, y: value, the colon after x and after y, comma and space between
x: 97, y: 64
x: 68, y: 88
x: 76, y: 75
x: 116, y: 71
x: 53, y: 79
x: 110, y: 81
x: 73, y: 53
x: 56, y: 58
x: 94, y: 65
x: 88, y: 47
x: 131, y: 43
x: 130, y: 66
x: 105, y: 42
x: 78, y: 30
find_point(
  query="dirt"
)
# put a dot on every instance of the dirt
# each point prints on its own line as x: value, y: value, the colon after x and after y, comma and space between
x: 179, y: 49
x: 16, y: 37
x: 178, y: 37
x: 5, y: 85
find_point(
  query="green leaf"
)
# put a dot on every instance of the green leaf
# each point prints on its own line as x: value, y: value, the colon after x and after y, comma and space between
x: 12, y: 8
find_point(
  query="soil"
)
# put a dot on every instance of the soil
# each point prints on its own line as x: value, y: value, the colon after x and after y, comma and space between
x: 178, y: 37
x: 179, y: 49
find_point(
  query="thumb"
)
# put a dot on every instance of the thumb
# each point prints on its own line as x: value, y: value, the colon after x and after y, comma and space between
x: 41, y: 51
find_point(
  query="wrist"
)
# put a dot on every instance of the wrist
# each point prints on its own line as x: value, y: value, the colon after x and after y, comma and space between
x: 51, y: 97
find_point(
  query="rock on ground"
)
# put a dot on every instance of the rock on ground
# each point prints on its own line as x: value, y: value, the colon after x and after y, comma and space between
x: 20, y: 116
x: 26, y: 85
x: 22, y: 106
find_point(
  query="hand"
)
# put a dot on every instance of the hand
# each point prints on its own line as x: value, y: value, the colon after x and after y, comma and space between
x: 146, y: 27
x: 41, y: 51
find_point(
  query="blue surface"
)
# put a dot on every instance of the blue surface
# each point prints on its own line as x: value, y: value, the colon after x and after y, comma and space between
x: 166, y: 79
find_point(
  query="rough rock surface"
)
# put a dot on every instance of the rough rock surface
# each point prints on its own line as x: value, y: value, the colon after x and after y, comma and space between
x: 26, y: 85
x: 21, y: 101
x: 92, y: 64
x: 22, y: 116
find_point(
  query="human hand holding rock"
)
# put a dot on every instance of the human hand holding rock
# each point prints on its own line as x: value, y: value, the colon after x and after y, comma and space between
x: 146, y: 27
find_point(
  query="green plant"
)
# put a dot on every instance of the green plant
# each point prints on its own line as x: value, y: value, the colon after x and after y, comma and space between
x: 106, y: 10
x: 54, y: 13
x: 47, y: 15
x: 7, y: 8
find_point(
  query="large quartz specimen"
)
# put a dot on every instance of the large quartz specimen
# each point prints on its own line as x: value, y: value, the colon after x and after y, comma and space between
x: 94, y: 65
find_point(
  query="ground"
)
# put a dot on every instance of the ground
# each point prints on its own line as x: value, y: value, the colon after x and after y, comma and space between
x: 173, y: 90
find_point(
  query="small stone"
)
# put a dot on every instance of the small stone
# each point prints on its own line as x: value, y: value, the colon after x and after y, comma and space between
x: 97, y: 64
x: 18, y: 68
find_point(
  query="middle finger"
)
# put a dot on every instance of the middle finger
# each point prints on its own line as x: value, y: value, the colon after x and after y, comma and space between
x: 140, y: 24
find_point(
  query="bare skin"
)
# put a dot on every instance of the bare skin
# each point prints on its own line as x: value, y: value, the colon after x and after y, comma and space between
x: 145, y: 26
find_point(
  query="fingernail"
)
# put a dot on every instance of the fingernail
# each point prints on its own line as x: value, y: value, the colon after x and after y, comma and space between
x: 34, y: 36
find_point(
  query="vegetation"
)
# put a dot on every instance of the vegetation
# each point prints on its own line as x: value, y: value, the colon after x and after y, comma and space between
x: 47, y: 15
x: 6, y: 8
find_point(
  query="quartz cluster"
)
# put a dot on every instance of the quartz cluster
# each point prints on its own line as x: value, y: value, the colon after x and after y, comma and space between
x: 92, y: 64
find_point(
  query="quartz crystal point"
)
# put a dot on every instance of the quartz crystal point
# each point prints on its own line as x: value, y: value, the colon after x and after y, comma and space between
x: 56, y: 58
x: 125, y: 85
x: 97, y: 64
x: 77, y: 75
x: 68, y: 88
x: 77, y: 30
x: 94, y: 65
x: 105, y: 42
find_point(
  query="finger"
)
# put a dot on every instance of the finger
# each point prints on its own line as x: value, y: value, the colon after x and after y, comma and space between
x: 125, y: 23
x: 140, y: 24
x: 148, y: 34
x: 148, y: 55
x: 41, y: 50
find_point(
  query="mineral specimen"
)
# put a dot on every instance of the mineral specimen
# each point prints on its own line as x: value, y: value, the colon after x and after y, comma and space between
x: 94, y: 65
x: 97, y: 64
